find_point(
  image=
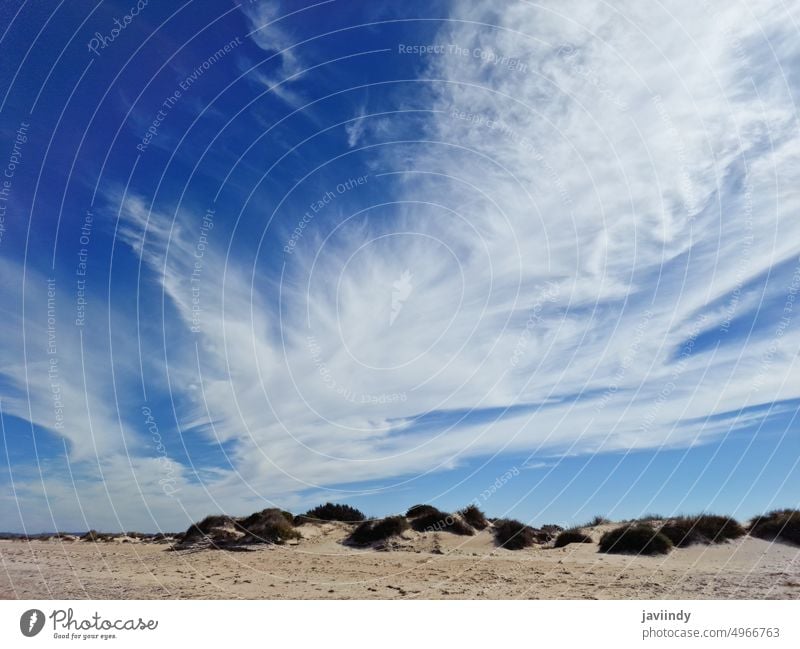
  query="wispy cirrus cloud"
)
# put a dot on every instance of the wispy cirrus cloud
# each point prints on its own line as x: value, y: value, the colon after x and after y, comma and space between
x: 586, y: 243
x: 591, y: 191
x: 268, y: 31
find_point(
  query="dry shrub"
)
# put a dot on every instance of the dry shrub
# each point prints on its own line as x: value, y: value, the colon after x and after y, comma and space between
x: 705, y: 528
x: 573, y: 535
x: 333, y: 512
x: 552, y: 530
x: 474, y: 517
x: 419, y: 510
x: 372, y: 531
x: 94, y: 535
x: 513, y: 535
x: 437, y: 521
x: 267, y: 526
x: 635, y: 538
x: 199, y: 531
x: 777, y: 525
x: 219, y: 531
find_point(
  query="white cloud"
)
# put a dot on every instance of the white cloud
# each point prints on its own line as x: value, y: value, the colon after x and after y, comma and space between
x: 355, y: 129
x: 565, y: 237
x: 596, y: 188
x: 266, y: 18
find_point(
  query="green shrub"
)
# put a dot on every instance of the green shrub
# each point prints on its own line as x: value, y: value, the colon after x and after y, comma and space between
x: 705, y: 528
x: 474, y: 517
x: 335, y: 512
x: 513, y: 535
x: 635, y: 538
x: 436, y: 521
x: 378, y: 530
x: 573, y: 535
x: 419, y: 510
x: 778, y: 525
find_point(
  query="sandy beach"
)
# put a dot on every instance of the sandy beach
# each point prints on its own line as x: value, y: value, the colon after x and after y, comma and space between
x: 419, y: 565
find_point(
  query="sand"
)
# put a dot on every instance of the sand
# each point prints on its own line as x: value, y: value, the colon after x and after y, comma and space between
x: 423, y: 566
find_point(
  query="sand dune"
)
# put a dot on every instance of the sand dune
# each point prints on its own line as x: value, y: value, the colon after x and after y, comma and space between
x: 417, y: 565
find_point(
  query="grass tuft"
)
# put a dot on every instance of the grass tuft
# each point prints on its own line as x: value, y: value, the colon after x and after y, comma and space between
x: 598, y: 520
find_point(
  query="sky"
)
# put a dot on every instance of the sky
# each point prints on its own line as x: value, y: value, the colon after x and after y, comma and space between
x: 543, y: 257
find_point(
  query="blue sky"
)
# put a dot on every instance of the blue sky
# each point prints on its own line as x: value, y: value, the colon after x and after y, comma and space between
x: 545, y: 258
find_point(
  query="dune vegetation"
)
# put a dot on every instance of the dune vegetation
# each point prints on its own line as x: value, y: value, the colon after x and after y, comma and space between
x: 573, y: 535
x: 778, y: 525
x: 635, y: 538
x: 382, y: 529
x: 648, y: 535
x: 704, y: 528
